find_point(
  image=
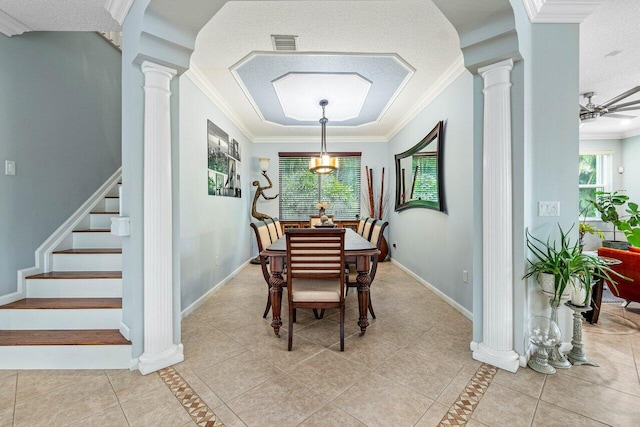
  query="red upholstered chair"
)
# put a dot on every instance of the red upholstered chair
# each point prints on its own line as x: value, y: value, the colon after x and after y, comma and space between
x: 630, y: 267
x: 315, y: 272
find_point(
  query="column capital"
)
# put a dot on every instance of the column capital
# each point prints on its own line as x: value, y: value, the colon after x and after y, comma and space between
x: 152, y: 67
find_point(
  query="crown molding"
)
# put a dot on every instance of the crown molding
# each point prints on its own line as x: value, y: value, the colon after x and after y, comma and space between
x: 630, y: 133
x: 10, y: 26
x: 560, y: 11
x: 118, y: 9
x: 315, y: 139
x: 197, y: 77
x: 447, y: 78
x: 609, y: 135
x: 600, y: 135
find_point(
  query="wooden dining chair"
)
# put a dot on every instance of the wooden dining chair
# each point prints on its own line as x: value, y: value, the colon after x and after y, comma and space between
x: 264, y: 239
x: 360, y: 228
x: 315, y: 276
x: 368, y: 226
x: 375, y: 237
x: 274, y: 227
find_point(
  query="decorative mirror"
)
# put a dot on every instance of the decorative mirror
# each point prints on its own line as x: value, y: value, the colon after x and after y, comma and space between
x: 419, y: 177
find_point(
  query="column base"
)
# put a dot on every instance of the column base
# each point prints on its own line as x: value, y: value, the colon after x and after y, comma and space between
x: 148, y: 363
x: 507, y: 360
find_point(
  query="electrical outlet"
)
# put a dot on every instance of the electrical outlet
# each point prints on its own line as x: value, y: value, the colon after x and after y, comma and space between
x: 9, y: 167
x: 465, y: 276
x: 548, y: 208
x: 395, y: 244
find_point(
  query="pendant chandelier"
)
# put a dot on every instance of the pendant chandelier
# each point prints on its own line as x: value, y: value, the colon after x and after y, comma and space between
x: 323, y: 164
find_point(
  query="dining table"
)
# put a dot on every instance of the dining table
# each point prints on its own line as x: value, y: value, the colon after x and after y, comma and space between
x: 355, y: 247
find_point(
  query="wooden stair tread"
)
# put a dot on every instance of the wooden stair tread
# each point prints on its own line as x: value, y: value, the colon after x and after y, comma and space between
x: 106, y: 213
x: 90, y: 251
x: 63, y: 303
x: 111, y: 197
x: 62, y: 337
x: 93, y: 230
x: 78, y: 275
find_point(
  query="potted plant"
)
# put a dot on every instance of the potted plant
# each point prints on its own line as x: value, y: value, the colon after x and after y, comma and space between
x: 607, y: 203
x: 631, y: 226
x: 566, y: 265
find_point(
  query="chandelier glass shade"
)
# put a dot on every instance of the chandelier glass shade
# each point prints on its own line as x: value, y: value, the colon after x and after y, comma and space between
x: 323, y: 164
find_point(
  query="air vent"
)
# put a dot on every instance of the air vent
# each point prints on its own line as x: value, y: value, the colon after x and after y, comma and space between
x: 284, y: 42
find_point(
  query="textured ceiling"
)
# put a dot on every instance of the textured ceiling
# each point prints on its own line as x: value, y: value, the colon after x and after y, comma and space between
x: 260, y: 75
x: 614, y: 26
x: 415, y: 30
x: 61, y: 15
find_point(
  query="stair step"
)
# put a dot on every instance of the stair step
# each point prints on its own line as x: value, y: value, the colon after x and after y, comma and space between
x: 95, y: 238
x: 64, y: 349
x: 63, y: 303
x: 89, y: 259
x: 61, y: 313
x: 101, y: 219
x: 63, y: 337
x: 75, y: 284
x: 78, y: 275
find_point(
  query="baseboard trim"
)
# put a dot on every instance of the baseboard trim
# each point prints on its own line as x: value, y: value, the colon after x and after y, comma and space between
x: 197, y: 303
x: 124, y: 331
x: 466, y: 313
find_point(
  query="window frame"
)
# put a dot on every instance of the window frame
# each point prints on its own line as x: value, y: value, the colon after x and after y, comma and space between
x: 340, y: 155
x: 604, y: 175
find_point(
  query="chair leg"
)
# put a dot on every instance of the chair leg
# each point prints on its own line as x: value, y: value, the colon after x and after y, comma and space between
x: 291, y: 314
x: 294, y: 315
x: 342, y: 328
x: 371, y: 308
x: 626, y: 303
x: 268, y: 307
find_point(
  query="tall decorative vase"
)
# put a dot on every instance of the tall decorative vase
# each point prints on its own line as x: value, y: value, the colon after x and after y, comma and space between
x: 384, y: 249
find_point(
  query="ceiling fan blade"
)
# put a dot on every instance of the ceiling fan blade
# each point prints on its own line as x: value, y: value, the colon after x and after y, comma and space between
x: 621, y: 96
x: 618, y: 116
x: 624, y: 105
x: 617, y: 110
x: 583, y: 108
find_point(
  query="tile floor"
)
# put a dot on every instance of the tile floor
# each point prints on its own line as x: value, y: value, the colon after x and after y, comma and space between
x: 408, y: 370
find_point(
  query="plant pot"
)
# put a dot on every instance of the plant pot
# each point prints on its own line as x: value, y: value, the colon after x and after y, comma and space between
x: 579, y: 295
x: 547, y: 283
x: 615, y: 244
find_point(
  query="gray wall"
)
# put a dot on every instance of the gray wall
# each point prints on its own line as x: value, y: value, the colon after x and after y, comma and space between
x: 60, y: 122
x: 434, y: 245
x: 210, y: 226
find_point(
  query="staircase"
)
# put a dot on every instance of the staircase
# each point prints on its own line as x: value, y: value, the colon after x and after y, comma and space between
x: 70, y: 316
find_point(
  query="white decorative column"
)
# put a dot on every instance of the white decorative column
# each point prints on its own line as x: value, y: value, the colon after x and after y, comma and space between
x: 159, y: 349
x: 496, y: 347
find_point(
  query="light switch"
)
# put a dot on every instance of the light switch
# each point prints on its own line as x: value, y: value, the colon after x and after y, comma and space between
x: 9, y: 167
x: 548, y: 208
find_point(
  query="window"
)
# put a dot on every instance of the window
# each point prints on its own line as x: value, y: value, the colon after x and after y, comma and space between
x: 594, y: 174
x: 425, y: 185
x: 301, y: 190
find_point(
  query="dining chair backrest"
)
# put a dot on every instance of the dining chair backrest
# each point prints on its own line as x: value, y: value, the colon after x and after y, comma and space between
x: 315, y: 253
x: 360, y: 228
x: 376, y: 232
x: 366, y: 231
x: 275, y: 230
x: 263, y: 238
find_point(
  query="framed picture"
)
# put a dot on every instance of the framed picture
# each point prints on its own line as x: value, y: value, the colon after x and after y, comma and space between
x: 223, y: 163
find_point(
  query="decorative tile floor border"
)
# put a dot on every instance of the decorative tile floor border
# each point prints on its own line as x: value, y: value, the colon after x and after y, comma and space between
x: 200, y: 413
x: 460, y: 412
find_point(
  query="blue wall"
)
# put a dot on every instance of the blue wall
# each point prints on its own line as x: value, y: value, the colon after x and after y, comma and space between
x: 60, y: 121
x: 434, y: 245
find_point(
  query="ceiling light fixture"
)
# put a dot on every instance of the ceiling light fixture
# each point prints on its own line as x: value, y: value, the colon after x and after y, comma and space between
x: 323, y: 164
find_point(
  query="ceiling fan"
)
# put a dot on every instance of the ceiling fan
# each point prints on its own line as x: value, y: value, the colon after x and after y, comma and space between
x: 591, y: 111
